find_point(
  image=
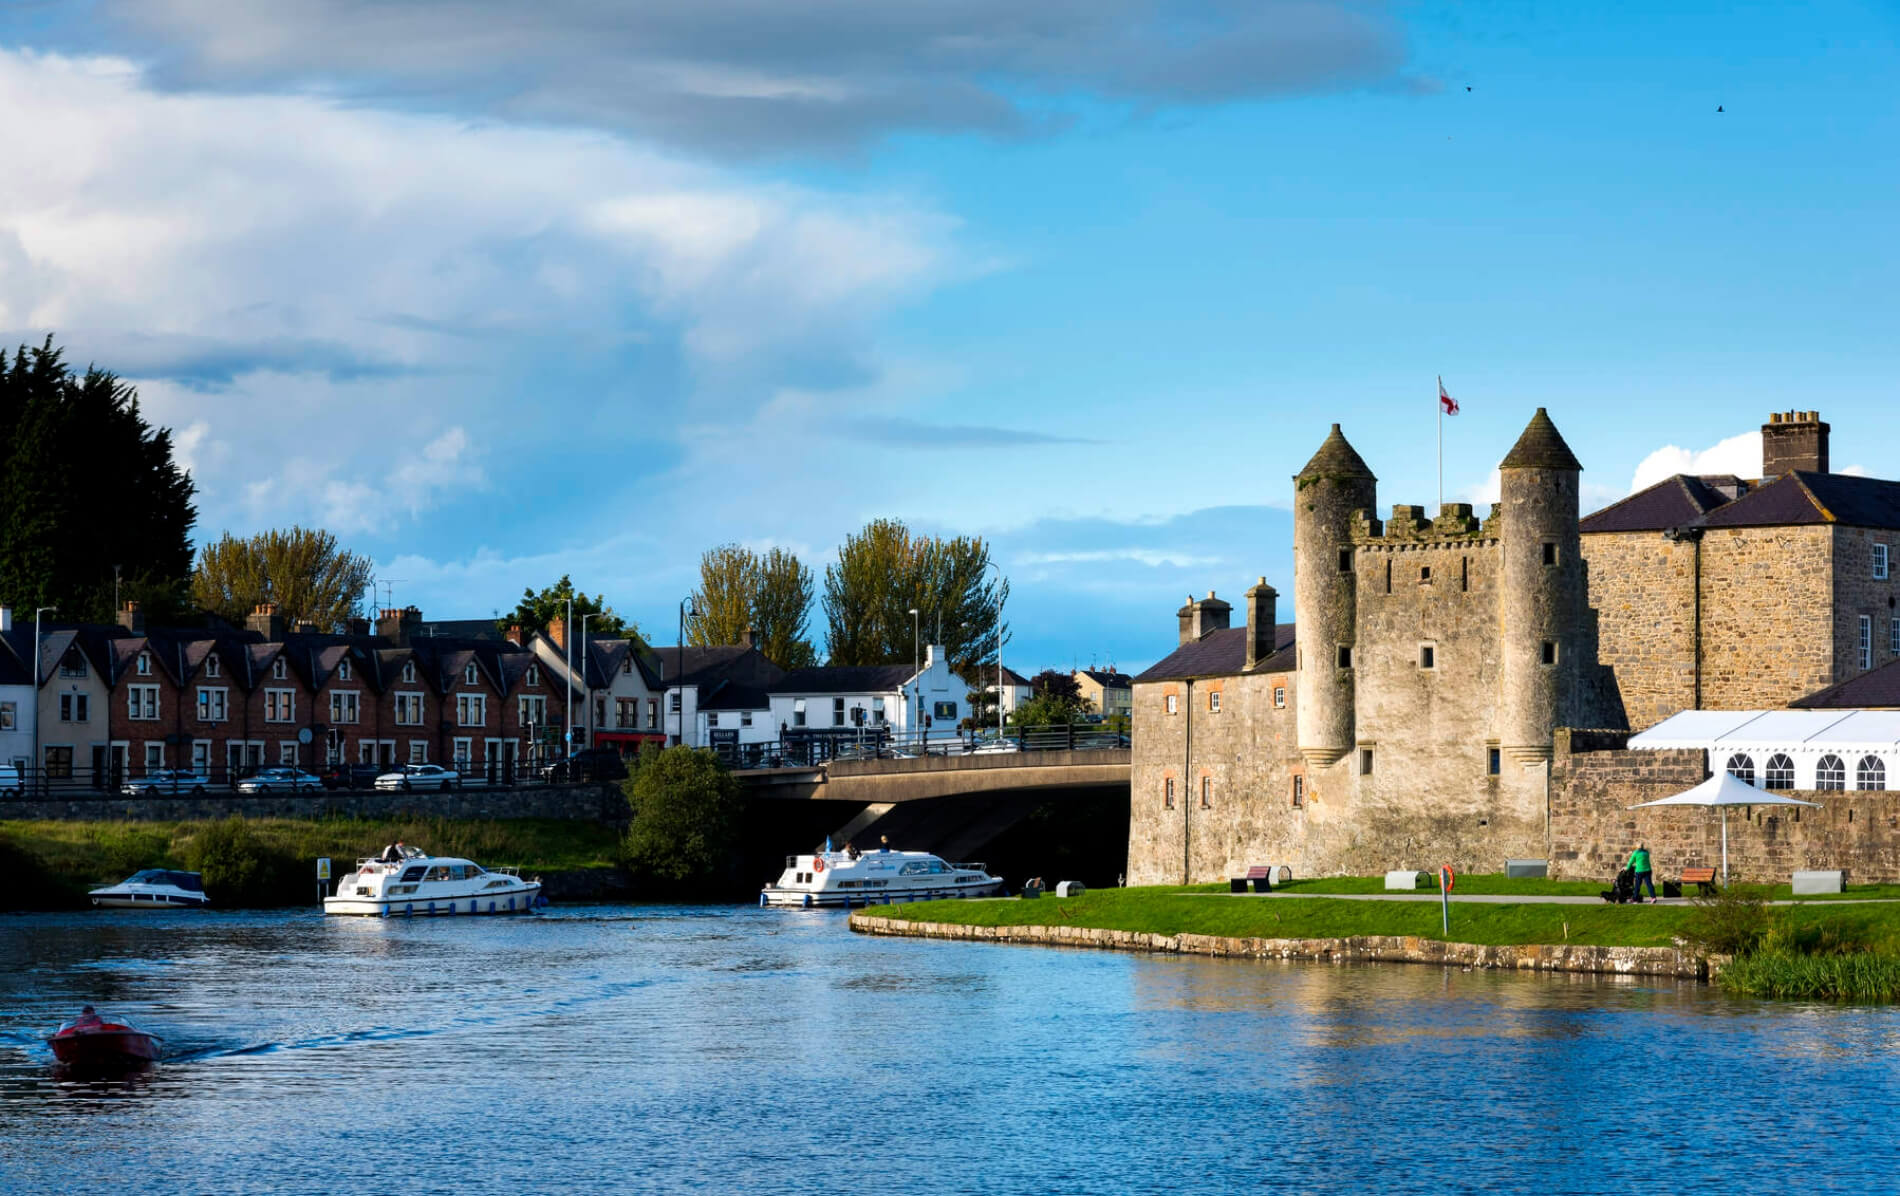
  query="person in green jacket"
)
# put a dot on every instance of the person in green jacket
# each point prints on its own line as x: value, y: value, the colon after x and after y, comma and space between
x: 1645, y: 875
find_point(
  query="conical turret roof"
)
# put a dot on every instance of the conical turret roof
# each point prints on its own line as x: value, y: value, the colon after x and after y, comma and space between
x: 1541, y: 447
x: 1336, y: 459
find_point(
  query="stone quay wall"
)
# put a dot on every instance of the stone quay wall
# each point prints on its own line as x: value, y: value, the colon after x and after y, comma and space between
x: 592, y: 803
x: 1594, y: 781
x: 1615, y: 961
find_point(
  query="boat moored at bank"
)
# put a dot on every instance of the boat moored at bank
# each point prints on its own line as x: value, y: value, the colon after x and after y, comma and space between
x: 419, y: 883
x: 154, y: 888
x: 850, y: 878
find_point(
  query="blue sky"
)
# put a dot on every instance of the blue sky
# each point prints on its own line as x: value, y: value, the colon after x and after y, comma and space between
x: 499, y: 293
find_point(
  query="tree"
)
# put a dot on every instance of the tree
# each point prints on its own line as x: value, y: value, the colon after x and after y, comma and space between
x: 302, y: 570
x: 770, y: 594
x: 1051, y: 683
x: 89, y: 494
x: 1055, y: 699
x: 686, y: 818
x: 537, y: 612
x: 883, y: 572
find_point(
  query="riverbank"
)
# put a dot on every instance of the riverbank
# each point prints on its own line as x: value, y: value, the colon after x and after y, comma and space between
x: 52, y: 864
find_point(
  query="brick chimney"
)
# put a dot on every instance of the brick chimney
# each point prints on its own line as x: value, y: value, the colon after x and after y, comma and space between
x: 132, y: 618
x: 557, y: 633
x: 1793, y: 440
x: 398, y: 626
x: 355, y: 626
x: 1262, y: 601
x: 751, y: 637
x: 1199, y: 618
x: 265, y: 620
x: 514, y: 634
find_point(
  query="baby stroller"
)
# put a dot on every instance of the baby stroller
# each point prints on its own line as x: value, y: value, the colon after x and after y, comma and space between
x: 1623, y: 890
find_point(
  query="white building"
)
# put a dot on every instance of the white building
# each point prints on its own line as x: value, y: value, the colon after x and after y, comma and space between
x: 717, y: 696
x: 851, y: 702
x: 615, y: 689
x: 18, y: 709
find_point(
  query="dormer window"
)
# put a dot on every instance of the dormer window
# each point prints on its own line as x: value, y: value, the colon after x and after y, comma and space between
x: 343, y: 669
x: 409, y: 670
x: 279, y: 669
x: 145, y: 664
x: 626, y: 666
x: 534, y: 674
x: 212, y: 667
x: 468, y: 674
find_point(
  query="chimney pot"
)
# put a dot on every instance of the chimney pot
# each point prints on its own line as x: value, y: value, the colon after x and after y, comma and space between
x: 1793, y: 440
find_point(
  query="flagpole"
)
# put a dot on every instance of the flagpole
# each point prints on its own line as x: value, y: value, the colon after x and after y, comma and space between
x: 1441, y: 444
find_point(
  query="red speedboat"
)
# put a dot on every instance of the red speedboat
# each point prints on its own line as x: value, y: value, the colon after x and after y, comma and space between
x: 96, y: 1041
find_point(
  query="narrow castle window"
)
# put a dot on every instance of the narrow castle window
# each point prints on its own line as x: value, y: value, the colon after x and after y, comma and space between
x: 1167, y: 793
x: 1494, y: 761
x: 1550, y: 652
x: 1427, y: 656
x: 1425, y: 575
x: 1388, y: 577
x: 1365, y: 762
x: 1207, y: 793
x: 1550, y: 552
x: 1464, y: 573
x: 1345, y: 656
x: 1299, y: 791
x: 1345, y: 560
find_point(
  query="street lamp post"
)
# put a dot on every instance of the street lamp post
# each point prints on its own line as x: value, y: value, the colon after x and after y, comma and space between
x: 916, y: 665
x: 687, y: 607
x: 567, y: 645
x: 999, y: 652
x: 587, y: 693
x: 38, y: 770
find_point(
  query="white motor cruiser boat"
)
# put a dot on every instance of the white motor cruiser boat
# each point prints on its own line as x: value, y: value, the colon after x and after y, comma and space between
x: 875, y: 878
x: 154, y: 888
x: 420, y: 883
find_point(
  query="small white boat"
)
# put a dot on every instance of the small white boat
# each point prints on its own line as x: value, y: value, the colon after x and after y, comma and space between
x: 420, y: 883
x: 875, y: 878
x: 154, y: 888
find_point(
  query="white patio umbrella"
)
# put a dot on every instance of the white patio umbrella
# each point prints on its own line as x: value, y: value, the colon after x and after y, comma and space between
x: 1722, y: 791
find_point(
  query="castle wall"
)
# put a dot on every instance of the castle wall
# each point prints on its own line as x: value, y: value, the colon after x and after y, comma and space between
x: 1592, y: 828
x: 1858, y: 592
x: 1641, y: 588
x: 1767, y: 638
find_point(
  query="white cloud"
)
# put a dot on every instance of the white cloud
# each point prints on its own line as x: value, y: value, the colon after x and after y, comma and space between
x: 1739, y: 455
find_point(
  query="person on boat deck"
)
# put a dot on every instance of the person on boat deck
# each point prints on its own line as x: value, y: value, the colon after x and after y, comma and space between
x: 883, y: 842
x: 391, y: 854
x: 851, y: 851
x: 87, y: 1019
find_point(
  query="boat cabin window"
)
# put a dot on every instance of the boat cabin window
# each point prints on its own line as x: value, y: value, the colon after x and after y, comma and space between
x: 412, y: 875
x: 438, y: 872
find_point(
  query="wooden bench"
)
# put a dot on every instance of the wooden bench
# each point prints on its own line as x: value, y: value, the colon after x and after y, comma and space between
x: 1702, y: 878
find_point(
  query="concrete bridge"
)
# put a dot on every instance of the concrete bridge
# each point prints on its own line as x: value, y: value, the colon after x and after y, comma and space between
x: 952, y: 805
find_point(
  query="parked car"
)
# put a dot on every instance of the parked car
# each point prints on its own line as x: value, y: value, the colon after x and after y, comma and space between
x: 350, y: 776
x: 164, y: 780
x: 281, y: 780
x: 419, y: 776
x: 588, y: 764
x: 12, y: 784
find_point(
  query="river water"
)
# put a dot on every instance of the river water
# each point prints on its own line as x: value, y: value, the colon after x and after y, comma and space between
x: 733, y: 1049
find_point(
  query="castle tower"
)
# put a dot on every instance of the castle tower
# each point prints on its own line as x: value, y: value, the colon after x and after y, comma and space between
x: 1326, y: 494
x: 1539, y: 600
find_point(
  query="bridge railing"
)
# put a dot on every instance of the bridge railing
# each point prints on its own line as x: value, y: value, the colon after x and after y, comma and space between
x: 811, y: 748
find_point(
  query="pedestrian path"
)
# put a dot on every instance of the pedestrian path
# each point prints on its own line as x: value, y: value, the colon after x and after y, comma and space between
x: 1517, y: 899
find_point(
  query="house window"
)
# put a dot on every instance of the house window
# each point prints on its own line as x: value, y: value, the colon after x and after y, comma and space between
x: 1170, y: 701
x: 534, y: 711
x: 75, y: 708
x: 409, y: 710
x: 673, y: 700
x: 1893, y: 635
x: 1299, y: 791
x: 154, y: 757
x: 626, y: 712
x: 345, y: 706
x: 343, y: 669
x: 279, y: 669
x: 1427, y: 656
x: 212, y: 667
x: 798, y: 712
x: 653, y: 713
x: 1279, y: 697
x: 59, y: 762
x: 1870, y: 774
x: 145, y: 664
x: 877, y: 711
x: 418, y: 751
x: 1866, y: 641
x: 1167, y: 793
x: 468, y: 674
x: 213, y: 704
x: 72, y: 665
x: 1213, y: 701
x: 280, y: 705
x: 837, y: 712
x: 1207, y: 793
x: 287, y: 752
x: 712, y: 718
x: 1779, y: 774
x: 1493, y: 762
x: 9, y: 716
x: 1830, y: 773
x: 1345, y: 560
x: 1345, y: 656
x: 471, y: 710
x: 141, y: 701
x: 409, y: 671
x: 1550, y: 552
x: 745, y: 718
x: 600, y: 710
x: 1742, y: 768
x: 626, y: 666
x: 1880, y: 562
x: 1365, y: 762
x: 464, y: 750
x: 1548, y: 653
x: 534, y: 674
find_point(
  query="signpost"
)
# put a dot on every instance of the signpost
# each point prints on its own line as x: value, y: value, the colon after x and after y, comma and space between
x: 323, y: 874
x: 1447, y: 881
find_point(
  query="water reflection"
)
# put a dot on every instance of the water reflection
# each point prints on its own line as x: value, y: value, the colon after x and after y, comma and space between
x: 736, y: 1049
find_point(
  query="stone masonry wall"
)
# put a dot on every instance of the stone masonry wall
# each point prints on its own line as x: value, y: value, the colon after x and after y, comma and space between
x: 1858, y: 593
x: 602, y: 803
x: 1642, y: 588
x: 1766, y: 635
x: 1592, y: 829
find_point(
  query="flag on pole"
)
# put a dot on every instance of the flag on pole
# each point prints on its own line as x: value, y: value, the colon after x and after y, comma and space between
x: 1446, y: 403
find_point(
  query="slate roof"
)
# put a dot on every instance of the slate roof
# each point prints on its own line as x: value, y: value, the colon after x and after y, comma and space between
x: 1802, y: 497
x: 1678, y: 501
x: 845, y: 679
x: 1108, y: 679
x: 463, y: 629
x: 1222, y: 654
x: 1336, y: 459
x: 729, y: 676
x: 1541, y: 447
x: 16, y: 668
x: 1878, y: 689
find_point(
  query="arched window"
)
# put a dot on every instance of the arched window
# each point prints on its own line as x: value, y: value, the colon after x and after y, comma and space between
x: 1830, y: 773
x: 1870, y: 773
x: 1741, y: 766
x: 1779, y: 774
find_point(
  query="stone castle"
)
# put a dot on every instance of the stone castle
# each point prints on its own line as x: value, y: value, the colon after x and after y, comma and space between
x: 1412, y: 718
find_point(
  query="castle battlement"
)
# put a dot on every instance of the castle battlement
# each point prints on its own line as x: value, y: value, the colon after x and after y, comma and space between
x: 1455, y: 526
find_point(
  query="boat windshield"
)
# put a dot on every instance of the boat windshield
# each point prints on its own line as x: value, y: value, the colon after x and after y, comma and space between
x: 191, y: 882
